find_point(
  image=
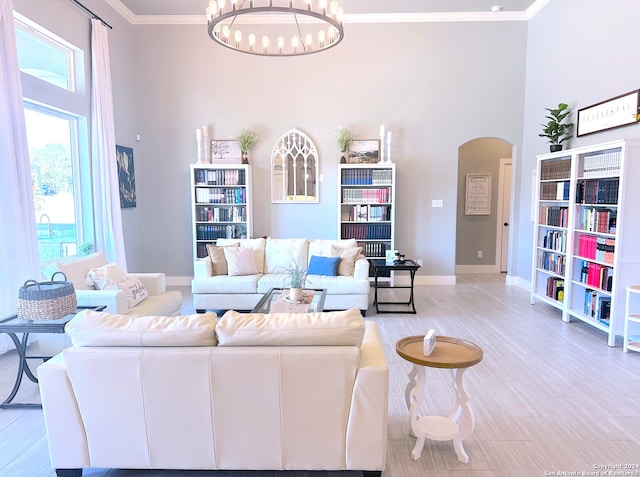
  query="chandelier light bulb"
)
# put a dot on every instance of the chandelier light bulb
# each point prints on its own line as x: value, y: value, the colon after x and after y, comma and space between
x: 308, y: 40
x: 221, y: 5
x: 333, y: 8
x: 309, y: 4
x: 294, y: 43
x: 280, y: 43
x: 238, y: 37
x: 225, y: 33
x: 252, y: 41
x: 323, y: 6
x: 332, y: 34
x: 340, y: 16
x: 234, y: 4
x: 265, y: 43
x: 321, y: 36
x: 207, y: 12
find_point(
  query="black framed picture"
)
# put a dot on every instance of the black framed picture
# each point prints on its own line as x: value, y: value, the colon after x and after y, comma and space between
x: 126, y: 176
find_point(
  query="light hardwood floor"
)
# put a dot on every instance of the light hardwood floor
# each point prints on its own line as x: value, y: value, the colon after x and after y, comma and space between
x: 548, y: 396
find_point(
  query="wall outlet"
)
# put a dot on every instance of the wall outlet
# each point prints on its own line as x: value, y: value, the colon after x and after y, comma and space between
x: 479, y: 253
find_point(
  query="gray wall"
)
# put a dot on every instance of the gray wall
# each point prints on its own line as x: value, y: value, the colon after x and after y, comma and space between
x: 436, y: 86
x: 478, y: 232
x: 579, y: 52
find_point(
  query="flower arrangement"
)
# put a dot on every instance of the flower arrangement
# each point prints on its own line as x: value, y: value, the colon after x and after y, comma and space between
x: 344, y: 136
x: 296, y: 275
x: 246, y: 139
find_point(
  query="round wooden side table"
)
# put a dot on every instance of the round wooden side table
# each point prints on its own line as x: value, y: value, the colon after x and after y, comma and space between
x: 450, y: 353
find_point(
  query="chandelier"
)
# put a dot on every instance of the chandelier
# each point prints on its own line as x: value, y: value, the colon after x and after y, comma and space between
x: 304, y: 26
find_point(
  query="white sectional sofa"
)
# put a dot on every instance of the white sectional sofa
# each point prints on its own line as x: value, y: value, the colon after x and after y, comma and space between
x: 304, y: 391
x: 272, y: 257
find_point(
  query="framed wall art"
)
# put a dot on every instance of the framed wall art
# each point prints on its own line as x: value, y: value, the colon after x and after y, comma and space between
x: 477, y: 198
x: 225, y: 151
x: 364, y: 151
x: 612, y: 113
x: 126, y: 177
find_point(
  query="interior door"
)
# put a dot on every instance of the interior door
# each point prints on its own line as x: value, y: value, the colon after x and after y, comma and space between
x: 503, y: 219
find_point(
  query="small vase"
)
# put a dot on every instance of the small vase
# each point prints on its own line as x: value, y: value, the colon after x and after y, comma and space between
x: 343, y: 159
x: 245, y: 159
x: 296, y: 294
x: 555, y: 147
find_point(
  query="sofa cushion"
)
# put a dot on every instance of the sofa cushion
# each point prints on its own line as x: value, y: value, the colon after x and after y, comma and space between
x: 226, y: 284
x: 340, y: 285
x: 218, y: 261
x: 323, y: 266
x: 280, y: 254
x: 348, y: 257
x: 336, y: 328
x: 323, y: 246
x: 76, y: 270
x: 168, y: 303
x: 240, y: 261
x: 95, y: 328
x: 105, y: 277
x: 256, y: 244
x: 273, y: 280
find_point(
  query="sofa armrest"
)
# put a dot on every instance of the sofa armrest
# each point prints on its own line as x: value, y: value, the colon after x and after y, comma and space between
x: 114, y: 300
x: 202, y: 268
x: 155, y: 283
x: 361, y: 269
x: 367, y: 428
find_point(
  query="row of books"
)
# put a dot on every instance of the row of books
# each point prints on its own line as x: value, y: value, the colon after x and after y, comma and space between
x: 215, y: 195
x: 369, y: 213
x: 596, y: 248
x: 554, y: 215
x: 220, y: 177
x: 597, y: 306
x: 560, y: 169
x: 555, y: 240
x: 366, y: 196
x: 597, y: 191
x: 555, y: 288
x: 366, y: 231
x: 598, y: 220
x: 596, y: 275
x: 553, y: 262
x: 222, y: 214
x: 601, y: 164
x: 367, y: 176
x: 373, y: 249
x: 214, y: 232
x: 555, y: 190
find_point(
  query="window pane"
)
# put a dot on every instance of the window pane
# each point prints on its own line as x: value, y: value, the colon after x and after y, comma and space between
x: 43, y: 59
x: 50, y: 149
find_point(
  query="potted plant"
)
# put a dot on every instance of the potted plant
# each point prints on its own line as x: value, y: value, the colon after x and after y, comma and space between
x: 556, y: 130
x: 296, y: 276
x: 344, y: 136
x: 246, y: 139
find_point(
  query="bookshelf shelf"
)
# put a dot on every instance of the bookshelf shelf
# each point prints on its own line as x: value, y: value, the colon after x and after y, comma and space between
x: 366, y: 206
x: 631, y: 338
x: 585, y: 232
x: 221, y: 204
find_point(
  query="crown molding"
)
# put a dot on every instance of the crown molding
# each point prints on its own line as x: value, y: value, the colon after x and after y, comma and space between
x: 354, y: 18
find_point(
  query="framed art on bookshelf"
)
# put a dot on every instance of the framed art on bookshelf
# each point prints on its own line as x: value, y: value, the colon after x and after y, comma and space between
x: 364, y: 151
x: 225, y: 152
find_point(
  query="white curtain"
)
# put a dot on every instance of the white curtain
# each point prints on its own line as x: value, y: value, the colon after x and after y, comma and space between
x: 106, y: 194
x: 19, y: 258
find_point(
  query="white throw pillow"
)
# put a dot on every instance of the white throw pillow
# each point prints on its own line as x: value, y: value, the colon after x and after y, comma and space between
x: 134, y: 290
x: 105, y: 277
x: 240, y: 261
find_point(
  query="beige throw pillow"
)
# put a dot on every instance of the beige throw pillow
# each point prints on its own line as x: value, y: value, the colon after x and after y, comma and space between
x: 134, y: 290
x: 218, y: 261
x: 348, y: 257
x: 240, y: 261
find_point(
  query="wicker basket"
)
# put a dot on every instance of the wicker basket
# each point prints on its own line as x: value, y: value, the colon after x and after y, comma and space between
x: 46, y: 300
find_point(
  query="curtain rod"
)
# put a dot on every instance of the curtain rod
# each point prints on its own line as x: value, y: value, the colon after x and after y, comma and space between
x: 92, y: 14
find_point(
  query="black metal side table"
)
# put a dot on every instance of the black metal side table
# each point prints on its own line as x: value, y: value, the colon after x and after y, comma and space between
x: 13, y: 326
x: 379, y: 267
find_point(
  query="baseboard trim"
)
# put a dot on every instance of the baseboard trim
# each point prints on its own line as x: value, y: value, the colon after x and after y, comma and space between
x: 179, y: 281
x: 477, y: 269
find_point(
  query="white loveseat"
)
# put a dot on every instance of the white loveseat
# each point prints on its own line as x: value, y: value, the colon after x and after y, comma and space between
x: 272, y: 257
x: 159, y: 302
x: 247, y: 392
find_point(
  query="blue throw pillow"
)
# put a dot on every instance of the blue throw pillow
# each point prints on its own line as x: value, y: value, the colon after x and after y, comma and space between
x: 323, y: 266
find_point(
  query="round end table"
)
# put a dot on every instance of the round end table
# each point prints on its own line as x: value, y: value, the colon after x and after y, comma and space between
x: 450, y: 353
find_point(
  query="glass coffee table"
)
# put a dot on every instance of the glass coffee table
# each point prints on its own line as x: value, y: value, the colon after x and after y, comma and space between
x: 276, y: 300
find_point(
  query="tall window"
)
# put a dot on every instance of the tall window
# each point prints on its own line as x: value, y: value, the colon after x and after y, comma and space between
x: 57, y: 140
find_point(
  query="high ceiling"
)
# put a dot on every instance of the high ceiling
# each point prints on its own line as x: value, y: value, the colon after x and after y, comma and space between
x: 351, y: 7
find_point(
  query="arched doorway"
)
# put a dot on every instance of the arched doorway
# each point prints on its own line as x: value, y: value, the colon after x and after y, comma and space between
x: 484, y: 199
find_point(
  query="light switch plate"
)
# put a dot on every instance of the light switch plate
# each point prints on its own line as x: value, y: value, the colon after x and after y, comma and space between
x: 437, y: 203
